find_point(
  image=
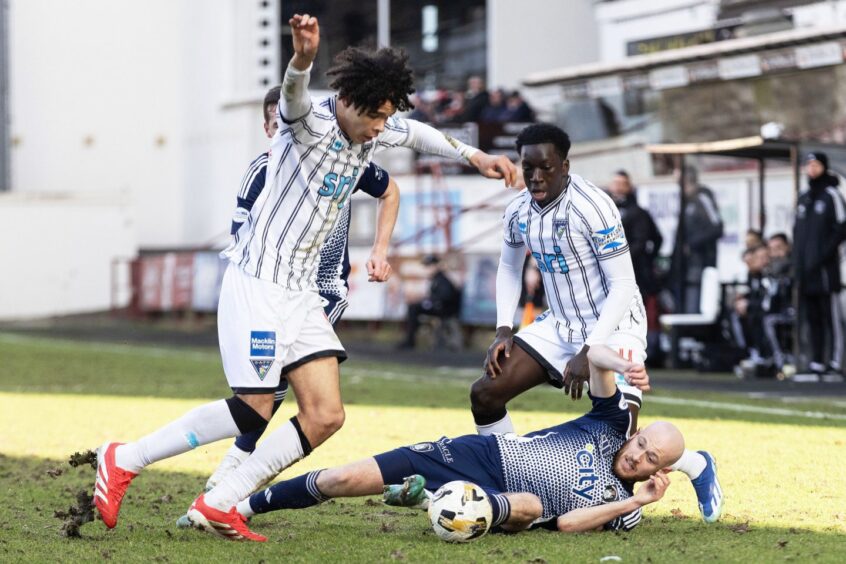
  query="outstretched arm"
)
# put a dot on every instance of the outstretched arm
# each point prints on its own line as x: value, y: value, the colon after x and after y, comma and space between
x: 603, y: 363
x: 427, y: 139
x: 624, y: 514
x: 378, y: 269
x: 295, y: 101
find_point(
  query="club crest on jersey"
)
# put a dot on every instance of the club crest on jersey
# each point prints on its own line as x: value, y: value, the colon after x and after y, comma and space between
x: 587, y: 473
x: 521, y: 225
x: 610, y: 494
x: 337, y: 145
x: 423, y: 447
x: 559, y: 227
x: 609, y: 239
x: 262, y: 351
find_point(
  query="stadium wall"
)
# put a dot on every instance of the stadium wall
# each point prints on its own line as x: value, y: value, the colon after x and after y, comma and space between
x: 144, y: 97
x: 58, y: 250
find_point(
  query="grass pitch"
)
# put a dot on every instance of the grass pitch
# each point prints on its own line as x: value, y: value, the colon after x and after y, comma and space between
x: 781, y: 470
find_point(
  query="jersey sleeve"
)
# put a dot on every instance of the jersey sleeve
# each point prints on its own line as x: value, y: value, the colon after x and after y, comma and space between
x: 251, y: 186
x: 614, y: 411
x: 511, y: 233
x: 625, y: 522
x: 603, y: 226
x: 374, y: 181
x: 296, y: 113
x: 424, y: 138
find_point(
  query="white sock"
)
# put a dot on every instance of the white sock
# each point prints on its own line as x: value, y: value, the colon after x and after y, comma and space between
x: 691, y: 463
x: 632, y: 394
x: 233, y: 458
x: 244, y: 508
x: 275, y: 453
x: 202, y: 425
x: 502, y: 426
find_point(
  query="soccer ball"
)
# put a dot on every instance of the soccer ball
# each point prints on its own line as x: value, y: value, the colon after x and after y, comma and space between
x: 460, y: 512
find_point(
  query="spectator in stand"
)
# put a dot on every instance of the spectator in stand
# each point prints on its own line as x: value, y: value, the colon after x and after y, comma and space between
x: 819, y: 229
x: 494, y: 112
x: 423, y: 109
x: 749, y: 307
x: 702, y: 230
x: 778, y: 245
x: 644, y: 243
x: 778, y: 308
x: 517, y: 110
x: 444, y: 301
x: 754, y: 238
x: 475, y: 100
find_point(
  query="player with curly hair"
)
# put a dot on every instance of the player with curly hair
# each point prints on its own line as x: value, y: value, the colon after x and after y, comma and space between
x: 270, y: 317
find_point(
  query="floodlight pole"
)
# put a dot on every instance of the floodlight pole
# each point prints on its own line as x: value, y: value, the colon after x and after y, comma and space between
x: 762, y: 210
x: 680, y: 238
x: 383, y: 23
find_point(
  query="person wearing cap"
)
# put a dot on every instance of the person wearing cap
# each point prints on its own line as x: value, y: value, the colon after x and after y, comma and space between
x: 444, y: 301
x: 819, y: 229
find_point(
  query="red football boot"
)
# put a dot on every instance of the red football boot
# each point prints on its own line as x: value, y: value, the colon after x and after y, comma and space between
x: 230, y: 525
x: 110, y: 485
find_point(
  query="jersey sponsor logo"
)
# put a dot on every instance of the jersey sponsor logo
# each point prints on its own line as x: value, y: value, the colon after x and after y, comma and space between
x: 337, y: 186
x: 552, y: 262
x: 559, y: 227
x: 609, y: 239
x: 262, y: 351
x: 444, y: 449
x: 587, y: 473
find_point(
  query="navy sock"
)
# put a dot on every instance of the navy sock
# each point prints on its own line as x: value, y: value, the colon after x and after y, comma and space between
x: 247, y: 441
x: 501, y: 509
x: 297, y: 493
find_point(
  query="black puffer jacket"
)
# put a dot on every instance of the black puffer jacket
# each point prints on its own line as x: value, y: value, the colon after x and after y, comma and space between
x: 819, y: 229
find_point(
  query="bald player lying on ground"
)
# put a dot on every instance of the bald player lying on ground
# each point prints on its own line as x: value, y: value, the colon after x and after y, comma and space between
x: 573, y: 477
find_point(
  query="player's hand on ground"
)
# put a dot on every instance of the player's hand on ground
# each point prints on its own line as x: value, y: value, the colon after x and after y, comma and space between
x: 654, y: 488
x: 636, y: 376
x: 576, y: 373
x: 495, y: 166
x: 501, y: 348
x: 306, y: 35
x: 378, y: 269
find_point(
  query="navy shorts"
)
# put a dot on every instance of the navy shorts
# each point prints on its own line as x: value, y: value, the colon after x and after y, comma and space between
x: 472, y: 458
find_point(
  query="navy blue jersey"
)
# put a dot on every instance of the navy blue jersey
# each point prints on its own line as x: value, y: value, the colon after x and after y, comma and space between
x: 569, y: 466
x: 334, y: 267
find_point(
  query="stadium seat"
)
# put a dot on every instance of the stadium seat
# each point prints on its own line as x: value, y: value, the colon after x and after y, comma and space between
x: 702, y: 326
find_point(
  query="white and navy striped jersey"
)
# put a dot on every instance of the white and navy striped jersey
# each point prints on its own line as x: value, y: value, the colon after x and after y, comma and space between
x: 334, y: 267
x: 312, y: 169
x: 569, y: 238
x: 570, y: 466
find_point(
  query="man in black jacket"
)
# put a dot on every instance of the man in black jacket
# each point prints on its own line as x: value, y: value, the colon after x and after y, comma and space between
x: 703, y: 228
x: 819, y: 229
x: 644, y: 243
x: 444, y: 301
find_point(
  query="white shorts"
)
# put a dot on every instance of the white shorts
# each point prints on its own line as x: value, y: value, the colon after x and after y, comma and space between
x: 547, y: 345
x: 265, y: 331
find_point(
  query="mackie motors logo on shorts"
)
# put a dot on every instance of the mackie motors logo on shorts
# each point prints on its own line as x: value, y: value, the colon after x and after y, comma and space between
x: 262, y: 351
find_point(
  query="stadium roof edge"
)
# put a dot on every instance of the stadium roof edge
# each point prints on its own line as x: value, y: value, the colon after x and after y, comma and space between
x: 688, y: 54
